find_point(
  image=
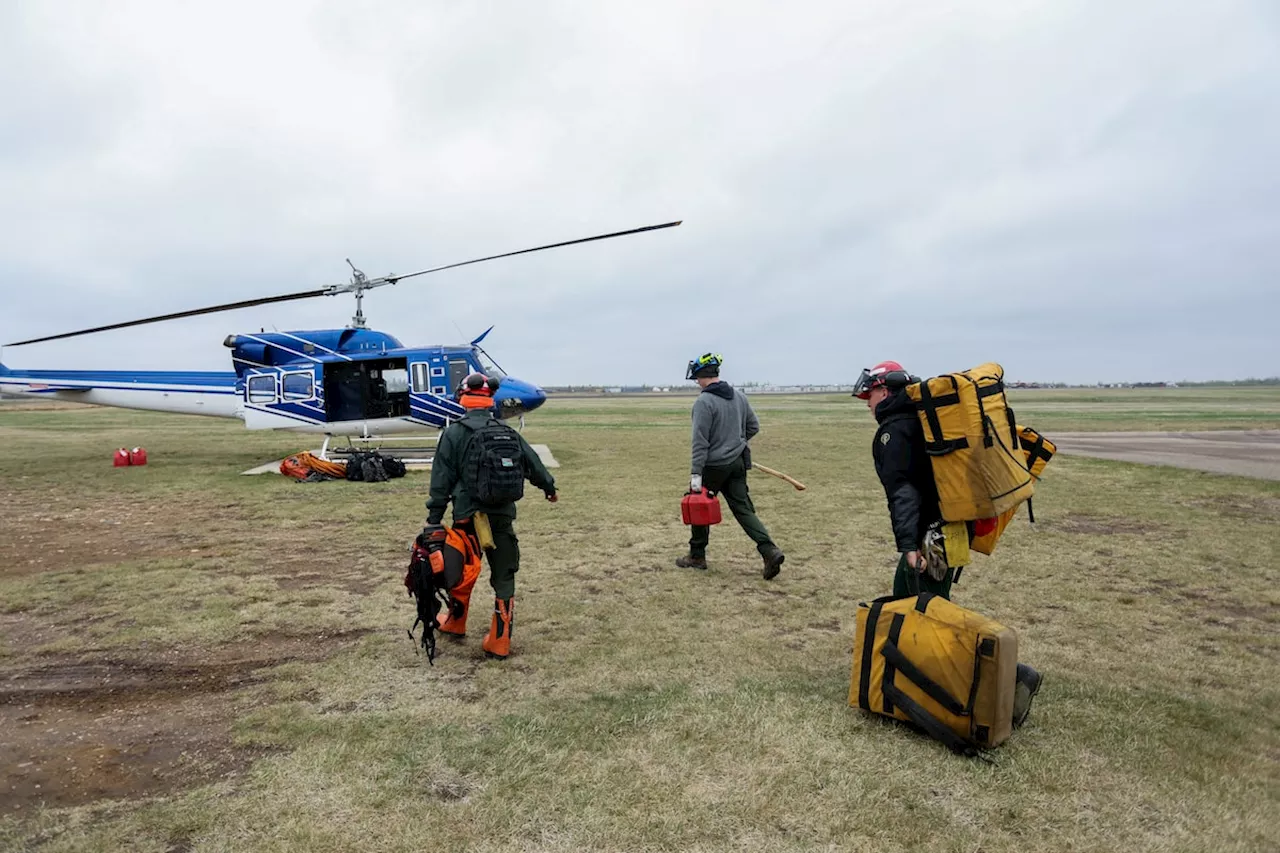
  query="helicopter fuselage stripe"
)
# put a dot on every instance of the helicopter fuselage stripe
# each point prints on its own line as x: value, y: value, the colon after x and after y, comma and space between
x: 444, y: 407
x: 290, y: 351
x: 313, y: 343
x: 281, y: 414
x: 99, y: 385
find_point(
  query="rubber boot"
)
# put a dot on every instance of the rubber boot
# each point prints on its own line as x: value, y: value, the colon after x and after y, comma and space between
x: 1025, y: 687
x: 688, y: 561
x: 497, y: 643
x: 451, y: 624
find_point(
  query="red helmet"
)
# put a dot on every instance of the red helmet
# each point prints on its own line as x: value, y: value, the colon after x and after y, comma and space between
x: 478, y: 384
x: 888, y: 373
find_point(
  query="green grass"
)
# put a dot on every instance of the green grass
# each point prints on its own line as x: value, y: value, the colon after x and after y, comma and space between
x: 649, y: 708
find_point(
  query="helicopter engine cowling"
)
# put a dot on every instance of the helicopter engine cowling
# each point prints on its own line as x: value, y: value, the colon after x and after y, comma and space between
x: 273, y: 349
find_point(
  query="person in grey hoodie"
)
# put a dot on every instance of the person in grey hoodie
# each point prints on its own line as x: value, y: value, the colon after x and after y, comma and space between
x: 723, y: 423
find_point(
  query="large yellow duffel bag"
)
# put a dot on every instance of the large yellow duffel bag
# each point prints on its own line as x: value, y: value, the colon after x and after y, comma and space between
x: 946, y: 669
x: 1037, y: 451
x: 970, y: 437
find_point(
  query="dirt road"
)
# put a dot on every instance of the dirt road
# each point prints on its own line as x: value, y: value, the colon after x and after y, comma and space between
x: 1248, y: 453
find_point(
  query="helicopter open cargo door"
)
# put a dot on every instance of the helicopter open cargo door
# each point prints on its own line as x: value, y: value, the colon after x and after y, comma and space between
x: 283, y: 397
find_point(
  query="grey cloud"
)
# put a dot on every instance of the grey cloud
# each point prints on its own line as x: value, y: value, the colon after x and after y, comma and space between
x: 1097, y: 178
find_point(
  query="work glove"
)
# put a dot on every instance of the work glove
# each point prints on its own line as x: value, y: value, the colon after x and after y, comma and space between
x: 695, y: 483
x: 553, y: 496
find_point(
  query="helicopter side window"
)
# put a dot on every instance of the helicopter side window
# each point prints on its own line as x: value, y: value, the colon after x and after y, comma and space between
x: 298, y: 386
x: 262, y: 389
x: 421, y: 378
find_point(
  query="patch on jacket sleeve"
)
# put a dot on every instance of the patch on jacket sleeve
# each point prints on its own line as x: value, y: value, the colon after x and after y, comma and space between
x: 884, y: 438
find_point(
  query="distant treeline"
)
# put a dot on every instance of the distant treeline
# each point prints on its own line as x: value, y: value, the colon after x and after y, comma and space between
x: 826, y: 389
x: 1270, y: 380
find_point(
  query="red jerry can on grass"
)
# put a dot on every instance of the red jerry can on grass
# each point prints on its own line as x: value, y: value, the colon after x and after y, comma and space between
x: 121, y: 459
x: 138, y: 456
x: 700, y: 509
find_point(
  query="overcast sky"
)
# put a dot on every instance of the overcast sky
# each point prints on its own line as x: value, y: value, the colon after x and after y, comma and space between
x: 1082, y: 191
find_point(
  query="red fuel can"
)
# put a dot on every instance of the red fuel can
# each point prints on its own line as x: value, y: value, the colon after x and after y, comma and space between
x: 138, y: 456
x: 701, y: 509
x: 121, y: 458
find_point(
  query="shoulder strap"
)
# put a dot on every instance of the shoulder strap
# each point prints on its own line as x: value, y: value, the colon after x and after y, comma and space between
x: 931, y: 725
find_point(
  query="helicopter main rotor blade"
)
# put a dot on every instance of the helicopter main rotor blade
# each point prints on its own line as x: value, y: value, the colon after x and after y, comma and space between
x: 358, y: 287
x: 392, y: 279
x: 230, y: 306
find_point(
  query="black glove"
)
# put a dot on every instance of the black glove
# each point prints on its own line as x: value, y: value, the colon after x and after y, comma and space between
x: 746, y: 457
x: 433, y: 532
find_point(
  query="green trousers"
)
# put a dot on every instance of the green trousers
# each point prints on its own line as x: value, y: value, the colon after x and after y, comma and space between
x: 504, y: 559
x: 731, y: 481
x: 911, y: 582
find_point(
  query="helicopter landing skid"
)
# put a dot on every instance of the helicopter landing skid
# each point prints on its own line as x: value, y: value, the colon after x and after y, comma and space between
x: 410, y: 449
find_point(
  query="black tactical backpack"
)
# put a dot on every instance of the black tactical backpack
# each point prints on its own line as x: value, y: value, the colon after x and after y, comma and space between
x: 495, y: 464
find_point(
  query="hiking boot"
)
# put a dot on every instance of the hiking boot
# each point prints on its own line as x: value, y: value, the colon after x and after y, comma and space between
x: 688, y: 561
x: 773, y: 558
x: 497, y: 643
x: 1024, y: 690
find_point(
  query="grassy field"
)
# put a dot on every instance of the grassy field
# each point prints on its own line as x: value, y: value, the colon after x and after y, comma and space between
x: 193, y: 660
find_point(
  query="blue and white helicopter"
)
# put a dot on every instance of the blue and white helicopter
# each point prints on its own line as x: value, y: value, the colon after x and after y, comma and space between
x: 353, y: 382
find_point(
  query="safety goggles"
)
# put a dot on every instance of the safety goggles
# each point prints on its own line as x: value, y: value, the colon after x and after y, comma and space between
x: 862, y: 388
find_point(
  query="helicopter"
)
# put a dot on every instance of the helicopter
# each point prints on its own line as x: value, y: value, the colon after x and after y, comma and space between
x: 353, y: 382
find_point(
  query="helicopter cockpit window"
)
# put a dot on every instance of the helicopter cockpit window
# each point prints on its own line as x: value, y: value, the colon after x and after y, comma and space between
x: 262, y: 389
x: 488, y: 365
x: 298, y: 386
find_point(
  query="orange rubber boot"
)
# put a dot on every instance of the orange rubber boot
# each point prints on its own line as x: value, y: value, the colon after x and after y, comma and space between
x: 460, y: 594
x: 497, y: 643
x: 455, y: 625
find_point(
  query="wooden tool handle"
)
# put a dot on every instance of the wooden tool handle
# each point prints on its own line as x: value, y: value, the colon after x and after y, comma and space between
x: 800, y: 487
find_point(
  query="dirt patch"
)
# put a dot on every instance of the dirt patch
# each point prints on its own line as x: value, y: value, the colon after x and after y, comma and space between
x: 78, y: 731
x: 55, y: 533
x: 1097, y: 525
x: 1250, y: 507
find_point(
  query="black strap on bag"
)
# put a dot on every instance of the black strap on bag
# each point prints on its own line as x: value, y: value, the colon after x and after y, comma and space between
x: 935, y: 691
x: 930, y: 724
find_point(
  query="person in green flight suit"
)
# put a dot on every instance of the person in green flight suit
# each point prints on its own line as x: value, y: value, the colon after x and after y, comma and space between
x: 481, y: 465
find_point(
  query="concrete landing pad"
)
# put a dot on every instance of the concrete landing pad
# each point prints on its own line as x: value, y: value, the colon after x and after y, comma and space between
x: 544, y: 453
x: 1245, y: 453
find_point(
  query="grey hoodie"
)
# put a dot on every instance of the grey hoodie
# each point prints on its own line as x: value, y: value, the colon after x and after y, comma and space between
x: 723, y: 423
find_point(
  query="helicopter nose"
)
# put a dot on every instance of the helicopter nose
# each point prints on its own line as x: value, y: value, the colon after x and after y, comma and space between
x: 516, y: 397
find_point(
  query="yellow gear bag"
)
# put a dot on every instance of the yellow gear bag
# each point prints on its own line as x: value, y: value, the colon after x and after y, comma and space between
x: 972, y: 444
x: 930, y: 662
x: 1037, y: 450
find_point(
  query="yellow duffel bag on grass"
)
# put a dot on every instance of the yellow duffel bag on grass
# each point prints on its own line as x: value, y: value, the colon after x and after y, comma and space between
x: 930, y: 662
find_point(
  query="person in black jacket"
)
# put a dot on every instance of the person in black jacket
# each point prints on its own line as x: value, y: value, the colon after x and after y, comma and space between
x: 907, y: 476
x: 905, y: 472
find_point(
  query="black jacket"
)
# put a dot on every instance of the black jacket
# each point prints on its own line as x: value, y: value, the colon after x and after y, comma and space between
x: 904, y: 470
